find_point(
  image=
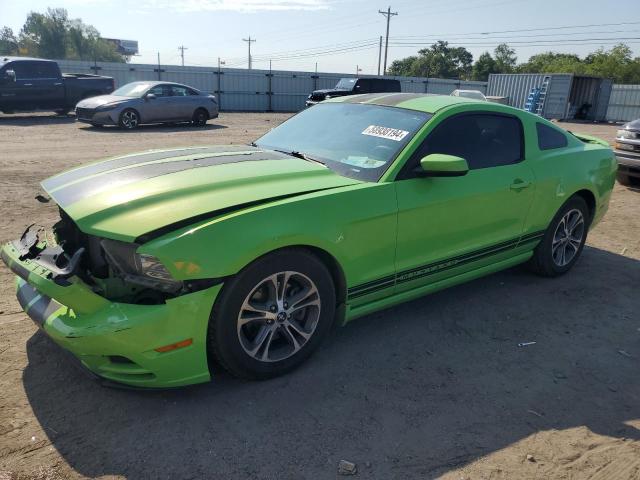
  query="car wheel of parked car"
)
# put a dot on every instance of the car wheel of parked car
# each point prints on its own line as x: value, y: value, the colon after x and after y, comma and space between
x: 272, y: 315
x: 200, y: 117
x: 129, y: 119
x: 564, y: 239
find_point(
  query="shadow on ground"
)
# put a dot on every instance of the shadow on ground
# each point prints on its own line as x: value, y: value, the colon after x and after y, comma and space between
x: 157, y: 128
x: 411, y: 392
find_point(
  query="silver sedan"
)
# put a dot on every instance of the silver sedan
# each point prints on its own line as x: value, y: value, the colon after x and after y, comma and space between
x: 148, y: 102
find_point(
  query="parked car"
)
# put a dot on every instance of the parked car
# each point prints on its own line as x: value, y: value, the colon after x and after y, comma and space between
x: 29, y: 84
x: 138, y: 103
x: 167, y: 262
x: 354, y: 86
x: 627, y: 149
x: 472, y: 94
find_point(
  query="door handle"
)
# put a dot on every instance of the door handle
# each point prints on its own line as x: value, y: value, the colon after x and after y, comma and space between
x: 57, y: 84
x: 28, y: 84
x: 519, y: 184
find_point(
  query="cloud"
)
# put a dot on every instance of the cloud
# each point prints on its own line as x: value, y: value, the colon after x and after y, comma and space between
x: 243, y: 6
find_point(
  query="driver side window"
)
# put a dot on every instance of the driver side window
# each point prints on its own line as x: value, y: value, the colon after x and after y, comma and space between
x: 484, y: 140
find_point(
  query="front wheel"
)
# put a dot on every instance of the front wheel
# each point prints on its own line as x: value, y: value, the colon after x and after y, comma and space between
x: 272, y: 315
x: 129, y: 119
x: 564, y: 239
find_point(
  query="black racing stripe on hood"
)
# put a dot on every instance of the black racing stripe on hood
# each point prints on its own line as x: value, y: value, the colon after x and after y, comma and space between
x: 94, y: 185
x: 153, y: 234
x: 120, y: 162
x: 385, y: 99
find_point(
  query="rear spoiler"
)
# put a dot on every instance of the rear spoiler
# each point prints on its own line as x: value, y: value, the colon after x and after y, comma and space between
x: 589, y: 139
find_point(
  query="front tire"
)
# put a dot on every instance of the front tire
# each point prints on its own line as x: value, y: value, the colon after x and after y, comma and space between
x: 564, y: 240
x: 272, y: 315
x: 129, y: 119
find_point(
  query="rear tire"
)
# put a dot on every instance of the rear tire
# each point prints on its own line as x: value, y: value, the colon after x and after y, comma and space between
x: 563, y: 241
x: 272, y: 316
x: 200, y: 117
x: 129, y: 119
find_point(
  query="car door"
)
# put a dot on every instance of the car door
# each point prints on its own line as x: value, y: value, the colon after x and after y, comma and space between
x: 182, y: 103
x: 450, y: 225
x: 158, y: 108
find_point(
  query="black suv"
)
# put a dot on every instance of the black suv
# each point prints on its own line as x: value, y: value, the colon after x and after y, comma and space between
x: 354, y: 86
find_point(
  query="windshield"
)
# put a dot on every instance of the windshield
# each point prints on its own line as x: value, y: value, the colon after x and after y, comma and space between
x: 346, y: 84
x: 355, y: 140
x: 135, y: 89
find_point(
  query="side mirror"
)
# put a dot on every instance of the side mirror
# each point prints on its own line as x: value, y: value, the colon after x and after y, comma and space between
x: 150, y: 96
x: 9, y: 76
x: 442, y: 165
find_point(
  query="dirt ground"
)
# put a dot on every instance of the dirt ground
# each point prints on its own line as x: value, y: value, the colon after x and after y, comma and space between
x: 434, y: 387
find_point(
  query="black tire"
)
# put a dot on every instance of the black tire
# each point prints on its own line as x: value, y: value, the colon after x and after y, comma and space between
x: 545, y: 260
x: 129, y: 119
x: 227, y: 342
x: 97, y: 125
x: 62, y: 112
x: 627, y: 180
x: 200, y: 117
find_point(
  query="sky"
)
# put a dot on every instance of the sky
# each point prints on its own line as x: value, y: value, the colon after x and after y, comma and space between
x: 343, y: 35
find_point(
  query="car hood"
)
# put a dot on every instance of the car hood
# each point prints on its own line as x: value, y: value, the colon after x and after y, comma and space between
x: 633, y: 125
x: 127, y: 197
x: 100, y: 100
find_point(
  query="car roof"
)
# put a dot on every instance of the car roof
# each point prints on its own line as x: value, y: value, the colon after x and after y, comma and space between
x: 424, y: 102
x: 7, y: 59
x: 159, y: 82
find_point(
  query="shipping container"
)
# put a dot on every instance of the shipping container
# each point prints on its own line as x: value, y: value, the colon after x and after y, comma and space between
x: 624, y: 105
x: 568, y: 96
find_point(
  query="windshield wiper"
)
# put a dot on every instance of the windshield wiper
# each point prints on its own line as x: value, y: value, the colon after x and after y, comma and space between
x: 302, y: 155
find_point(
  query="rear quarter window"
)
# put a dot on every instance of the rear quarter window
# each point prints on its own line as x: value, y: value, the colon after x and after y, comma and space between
x: 550, y: 138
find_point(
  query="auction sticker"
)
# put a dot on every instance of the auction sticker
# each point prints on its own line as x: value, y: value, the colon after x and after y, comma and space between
x: 385, y: 132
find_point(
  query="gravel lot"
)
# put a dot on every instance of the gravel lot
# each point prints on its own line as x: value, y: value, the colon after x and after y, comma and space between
x: 435, y: 387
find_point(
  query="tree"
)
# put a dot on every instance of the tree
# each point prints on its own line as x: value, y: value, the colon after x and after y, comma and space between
x: 54, y: 35
x: 505, y: 58
x: 8, y: 42
x: 551, y: 62
x: 439, y: 60
x: 484, y: 66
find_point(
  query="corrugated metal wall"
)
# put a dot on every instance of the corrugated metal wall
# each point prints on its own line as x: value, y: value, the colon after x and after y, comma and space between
x: 253, y: 90
x: 624, y: 104
x: 517, y: 87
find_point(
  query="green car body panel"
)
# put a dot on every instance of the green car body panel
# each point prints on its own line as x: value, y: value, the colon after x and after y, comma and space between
x: 384, y: 242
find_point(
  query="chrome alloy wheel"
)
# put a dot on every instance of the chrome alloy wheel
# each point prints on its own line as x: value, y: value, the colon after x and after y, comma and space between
x: 130, y: 119
x: 568, y: 237
x: 279, y: 316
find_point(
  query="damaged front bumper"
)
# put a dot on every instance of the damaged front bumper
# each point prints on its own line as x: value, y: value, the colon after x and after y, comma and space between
x: 117, y: 341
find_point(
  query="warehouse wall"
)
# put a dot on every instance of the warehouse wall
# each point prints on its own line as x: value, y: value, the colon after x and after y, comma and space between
x: 253, y: 90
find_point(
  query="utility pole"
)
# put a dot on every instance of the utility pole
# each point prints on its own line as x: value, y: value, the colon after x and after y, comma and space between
x: 220, y: 62
x: 358, y: 70
x: 249, y: 41
x: 388, y: 14
x: 159, y: 69
x: 379, y: 54
x: 182, y: 48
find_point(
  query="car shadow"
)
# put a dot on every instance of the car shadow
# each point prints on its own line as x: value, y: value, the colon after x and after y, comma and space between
x: 30, y: 120
x: 410, y: 392
x: 156, y: 128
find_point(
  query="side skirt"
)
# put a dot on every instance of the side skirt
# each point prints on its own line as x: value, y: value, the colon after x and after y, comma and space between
x: 353, y: 313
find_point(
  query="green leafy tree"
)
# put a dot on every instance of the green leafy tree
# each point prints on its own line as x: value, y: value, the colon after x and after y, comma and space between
x: 54, y: 35
x: 402, y: 67
x: 8, y: 42
x: 484, y: 66
x: 439, y: 60
x: 505, y: 58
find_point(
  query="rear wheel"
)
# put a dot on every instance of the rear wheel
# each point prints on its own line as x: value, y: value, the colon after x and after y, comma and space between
x: 272, y: 315
x: 200, y: 117
x: 564, y: 239
x: 129, y: 119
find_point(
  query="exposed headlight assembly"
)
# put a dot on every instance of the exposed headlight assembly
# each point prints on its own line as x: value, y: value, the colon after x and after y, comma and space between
x: 138, y: 268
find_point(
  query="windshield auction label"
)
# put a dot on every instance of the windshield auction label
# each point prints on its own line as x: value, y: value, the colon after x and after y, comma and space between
x: 385, y: 132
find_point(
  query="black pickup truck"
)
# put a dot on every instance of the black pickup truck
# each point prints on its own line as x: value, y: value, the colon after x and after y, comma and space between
x: 28, y: 84
x: 354, y: 86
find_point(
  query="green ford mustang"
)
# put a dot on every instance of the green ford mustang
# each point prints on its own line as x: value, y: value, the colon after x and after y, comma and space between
x: 165, y: 264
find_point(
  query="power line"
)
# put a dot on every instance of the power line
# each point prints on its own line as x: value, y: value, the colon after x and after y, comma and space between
x: 388, y: 14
